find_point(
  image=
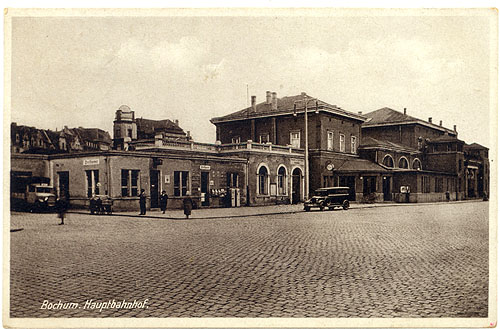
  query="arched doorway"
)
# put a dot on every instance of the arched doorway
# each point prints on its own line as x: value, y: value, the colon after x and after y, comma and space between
x: 296, y: 186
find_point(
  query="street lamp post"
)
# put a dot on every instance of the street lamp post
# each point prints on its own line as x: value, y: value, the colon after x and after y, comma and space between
x: 306, y: 141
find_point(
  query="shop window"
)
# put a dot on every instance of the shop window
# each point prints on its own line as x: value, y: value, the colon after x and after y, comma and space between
x: 369, y: 185
x: 282, y: 181
x: 263, y: 181
x: 426, y: 184
x: 92, y: 182
x: 438, y: 187
x: 329, y: 141
x: 130, y: 182
x: 232, y: 179
x: 342, y: 143
x: 181, y: 179
x: 353, y: 144
x: 295, y: 139
x: 328, y: 181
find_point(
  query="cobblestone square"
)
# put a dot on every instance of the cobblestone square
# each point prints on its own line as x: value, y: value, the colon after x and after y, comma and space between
x: 424, y: 260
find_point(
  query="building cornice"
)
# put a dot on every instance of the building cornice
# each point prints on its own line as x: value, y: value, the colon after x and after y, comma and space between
x: 413, y: 122
x: 300, y: 111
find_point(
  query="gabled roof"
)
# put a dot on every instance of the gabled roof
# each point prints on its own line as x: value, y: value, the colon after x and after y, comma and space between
x: 475, y: 146
x: 151, y: 126
x: 286, y: 106
x: 387, y: 116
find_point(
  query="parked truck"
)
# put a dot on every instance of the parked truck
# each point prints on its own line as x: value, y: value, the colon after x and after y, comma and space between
x: 32, y: 194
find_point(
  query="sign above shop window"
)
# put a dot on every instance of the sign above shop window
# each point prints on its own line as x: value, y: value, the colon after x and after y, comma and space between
x: 204, y: 167
x: 90, y: 162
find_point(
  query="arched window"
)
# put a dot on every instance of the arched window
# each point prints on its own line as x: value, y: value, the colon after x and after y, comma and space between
x: 417, y: 165
x: 263, y: 180
x: 403, y: 163
x: 388, y: 161
x: 282, y: 180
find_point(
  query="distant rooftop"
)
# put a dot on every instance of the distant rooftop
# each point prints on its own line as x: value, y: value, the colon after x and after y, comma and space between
x: 388, y: 116
x: 285, y: 105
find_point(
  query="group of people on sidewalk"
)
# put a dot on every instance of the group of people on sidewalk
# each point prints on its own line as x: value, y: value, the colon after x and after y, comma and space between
x: 187, y: 203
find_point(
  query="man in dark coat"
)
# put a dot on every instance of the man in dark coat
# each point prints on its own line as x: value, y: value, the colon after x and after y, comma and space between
x: 163, y: 201
x: 142, y: 202
x: 188, y: 205
x: 62, y: 206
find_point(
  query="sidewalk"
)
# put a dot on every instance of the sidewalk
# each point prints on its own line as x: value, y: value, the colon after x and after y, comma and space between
x: 207, y: 213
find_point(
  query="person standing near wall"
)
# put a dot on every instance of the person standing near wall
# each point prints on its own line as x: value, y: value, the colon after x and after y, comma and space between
x: 142, y: 202
x: 188, y: 204
x: 163, y: 201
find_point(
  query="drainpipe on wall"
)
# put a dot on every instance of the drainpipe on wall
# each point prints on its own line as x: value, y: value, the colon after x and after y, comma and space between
x: 246, y: 182
x: 108, y: 168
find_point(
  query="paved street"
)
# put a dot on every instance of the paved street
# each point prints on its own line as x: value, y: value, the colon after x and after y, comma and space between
x: 397, y: 261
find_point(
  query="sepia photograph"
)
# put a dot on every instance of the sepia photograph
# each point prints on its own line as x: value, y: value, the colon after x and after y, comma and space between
x: 265, y: 167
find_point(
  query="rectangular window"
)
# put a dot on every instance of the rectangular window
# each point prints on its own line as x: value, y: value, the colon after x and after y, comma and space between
x: 353, y: 144
x: 264, y: 138
x: 329, y: 141
x: 295, y: 139
x: 180, y: 183
x: 342, y: 143
x: 232, y: 179
x: 92, y: 182
x: 439, y: 185
x: 130, y: 182
x: 426, y: 182
x: 235, y: 140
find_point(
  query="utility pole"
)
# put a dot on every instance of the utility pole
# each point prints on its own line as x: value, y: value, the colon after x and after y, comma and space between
x: 306, y: 141
x: 306, y: 150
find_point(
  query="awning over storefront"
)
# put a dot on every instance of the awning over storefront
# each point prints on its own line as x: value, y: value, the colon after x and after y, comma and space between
x: 360, y: 165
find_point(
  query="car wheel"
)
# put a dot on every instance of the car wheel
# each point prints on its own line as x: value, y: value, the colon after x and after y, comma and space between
x: 307, y: 209
x: 345, y: 204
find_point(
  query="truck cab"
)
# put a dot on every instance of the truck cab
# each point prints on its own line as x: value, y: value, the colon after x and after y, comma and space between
x: 40, y: 196
x: 36, y: 196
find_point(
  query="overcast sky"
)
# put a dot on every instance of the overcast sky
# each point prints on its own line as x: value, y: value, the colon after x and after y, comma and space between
x: 77, y: 71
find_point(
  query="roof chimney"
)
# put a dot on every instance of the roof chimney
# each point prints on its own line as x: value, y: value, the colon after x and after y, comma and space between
x: 454, y: 128
x: 176, y: 122
x: 254, y: 103
x: 268, y: 97
x: 303, y: 93
x: 360, y: 112
x: 440, y: 122
x: 404, y: 111
x: 430, y: 119
x: 274, y: 101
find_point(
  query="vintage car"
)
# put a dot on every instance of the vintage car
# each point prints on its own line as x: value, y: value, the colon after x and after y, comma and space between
x: 101, y: 204
x: 329, y: 197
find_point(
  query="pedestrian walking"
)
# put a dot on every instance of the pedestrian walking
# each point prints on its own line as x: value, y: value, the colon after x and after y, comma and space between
x: 163, y: 201
x: 142, y: 202
x: 61, y: 207
x: 188, y: 204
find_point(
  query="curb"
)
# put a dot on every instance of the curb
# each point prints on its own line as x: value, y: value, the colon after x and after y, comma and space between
x: 353, y: 207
